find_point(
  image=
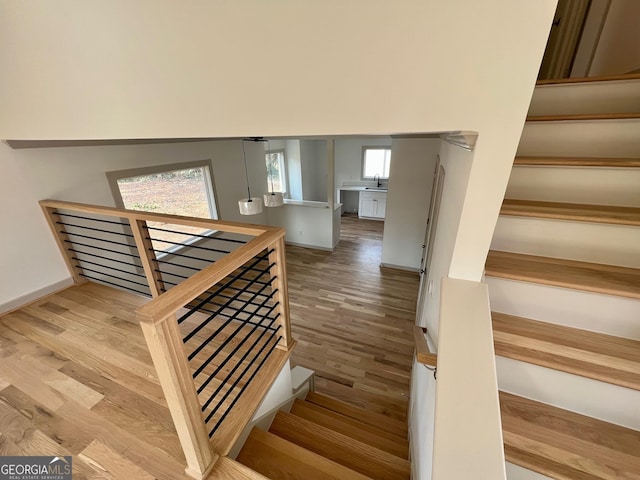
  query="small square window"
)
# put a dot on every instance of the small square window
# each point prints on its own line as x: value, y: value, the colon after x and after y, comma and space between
x: 376, y: 161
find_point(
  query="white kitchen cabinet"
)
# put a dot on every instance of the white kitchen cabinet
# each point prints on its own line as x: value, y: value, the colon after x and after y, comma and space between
x: 372, y: 205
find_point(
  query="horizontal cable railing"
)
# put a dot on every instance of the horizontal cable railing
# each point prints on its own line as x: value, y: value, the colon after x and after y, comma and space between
x: 228, y: 332
x: 102, y: 249
x: 218, y: 313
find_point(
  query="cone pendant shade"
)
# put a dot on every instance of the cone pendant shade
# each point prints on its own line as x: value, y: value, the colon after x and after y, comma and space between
x: 274, y: 199
x: 250, y: 206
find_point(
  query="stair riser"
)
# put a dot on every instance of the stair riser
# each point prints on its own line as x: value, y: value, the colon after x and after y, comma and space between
x: 515, y: 472
x: 611, y: 403
x: 589, y: 242
x: 589, y: 311
x: 598, y: 186
x: 610, y: 138
x: 600, y: 97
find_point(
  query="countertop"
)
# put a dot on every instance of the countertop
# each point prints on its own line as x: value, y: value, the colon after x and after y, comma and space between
x: 361, y: 188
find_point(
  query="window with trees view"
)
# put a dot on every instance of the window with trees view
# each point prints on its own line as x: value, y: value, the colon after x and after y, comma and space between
x: 276, y: 171
x: 376, y: 161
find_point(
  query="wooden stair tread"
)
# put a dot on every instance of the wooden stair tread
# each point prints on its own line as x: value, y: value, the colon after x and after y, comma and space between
x: 594, y: 355
x: 277, y: 458
x: 384, y: 422
x: 591, y: 277
x: 566, y: 445
x: 583, y: 117
x: 355, y: 455
x: 226, y: 468
x: 611, y: 162
x: 352, y: 428
x: 603, y: 78
x: 572, y: 211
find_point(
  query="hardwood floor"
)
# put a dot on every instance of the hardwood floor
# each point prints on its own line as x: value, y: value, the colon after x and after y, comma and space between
x: 76, y: 377
x: 353, y: 320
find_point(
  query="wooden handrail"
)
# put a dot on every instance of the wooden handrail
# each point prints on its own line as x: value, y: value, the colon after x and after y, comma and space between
x: 133, y: 215
x: 183, y: 293
x: 281, y: 290
x: 423, y: 354
x: 160, y: 327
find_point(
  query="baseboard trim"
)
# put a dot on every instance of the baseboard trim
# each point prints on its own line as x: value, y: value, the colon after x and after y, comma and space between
x: 306, y: 245
x: 25, y: 300
x: 399, y: 267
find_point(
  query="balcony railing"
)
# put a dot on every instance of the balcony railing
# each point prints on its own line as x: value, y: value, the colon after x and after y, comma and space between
x: 217, y: 325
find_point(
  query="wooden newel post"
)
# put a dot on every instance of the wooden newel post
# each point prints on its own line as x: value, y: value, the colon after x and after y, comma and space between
x: 165, y: 345
x: 63, y: 242
x: 279, y: 273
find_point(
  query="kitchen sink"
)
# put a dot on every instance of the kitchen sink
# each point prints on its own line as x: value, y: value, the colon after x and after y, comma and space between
x: 378, y: 189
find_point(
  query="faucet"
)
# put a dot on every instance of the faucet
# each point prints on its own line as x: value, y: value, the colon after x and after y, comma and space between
x: 376, y: 178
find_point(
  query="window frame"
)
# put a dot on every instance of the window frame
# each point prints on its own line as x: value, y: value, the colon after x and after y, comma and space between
x: 364, y: 156
x: 284, y: 178
x: 114, y: 176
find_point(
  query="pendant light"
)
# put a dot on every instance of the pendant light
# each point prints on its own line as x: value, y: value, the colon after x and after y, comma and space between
x: 272, y: 199
x: 249, y: 205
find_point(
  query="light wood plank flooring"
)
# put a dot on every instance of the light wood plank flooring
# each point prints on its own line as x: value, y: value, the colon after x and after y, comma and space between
x: 353, y: 321
x: 76, y: 377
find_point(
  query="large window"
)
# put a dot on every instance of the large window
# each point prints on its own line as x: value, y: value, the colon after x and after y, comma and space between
x: 375, y: 161
x: 276, y: 171
x: 167, y: 189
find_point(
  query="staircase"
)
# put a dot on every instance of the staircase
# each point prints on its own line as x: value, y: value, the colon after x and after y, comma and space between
x: 564, y: 281
x: 324, y: 438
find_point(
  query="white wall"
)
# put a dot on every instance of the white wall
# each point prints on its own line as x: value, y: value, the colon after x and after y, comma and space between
x: 294, y: 169
x: 410, y: 183
x: 589, y: 37
x: 457, y: 164
x: 306, y: 225
x: 348, y: 153
x: 313, y: 156
x: 78, y: 174
x: 150, y: 69
x: 618, y: 50
x: 421, y: 412
x: 348, y: 167
x: 154, y: 82
x: 23, y: 227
